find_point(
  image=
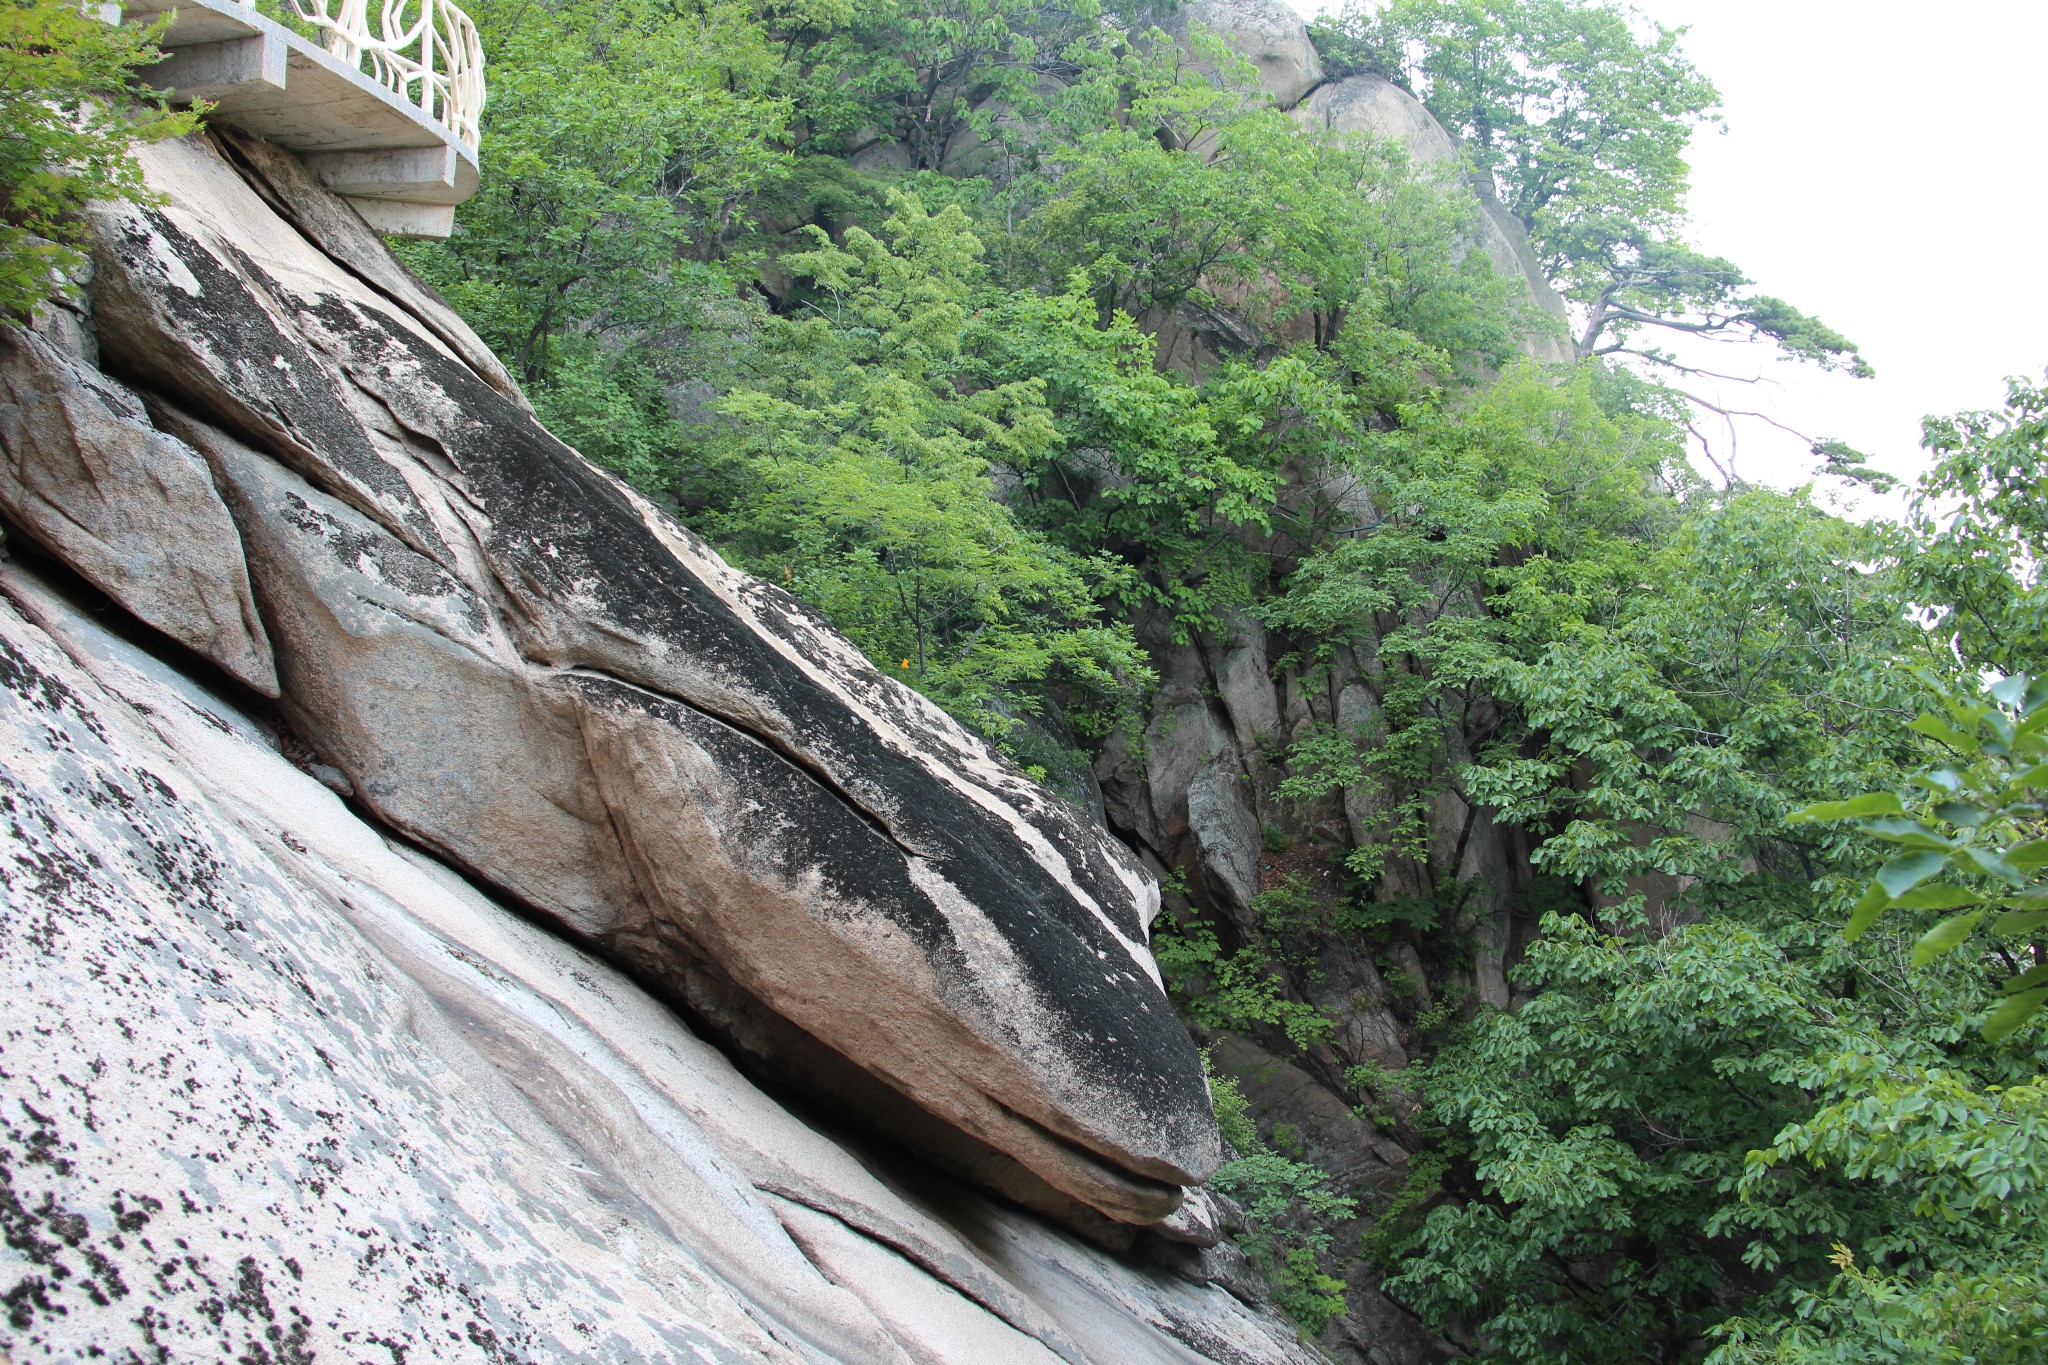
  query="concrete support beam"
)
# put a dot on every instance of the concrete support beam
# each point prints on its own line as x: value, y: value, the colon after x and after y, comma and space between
x: 417, y: 175
x: 401, y: 168
x: 224, y: 72
x: 395, y: 219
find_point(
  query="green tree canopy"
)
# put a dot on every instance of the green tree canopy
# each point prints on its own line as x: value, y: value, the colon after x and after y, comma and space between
x: 623, y: 144
x: 855, y: 464
x: 70, y: 107
x: 1577, y: 116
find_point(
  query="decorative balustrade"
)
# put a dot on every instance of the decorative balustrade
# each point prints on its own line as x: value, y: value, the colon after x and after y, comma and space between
x: 425, y: 51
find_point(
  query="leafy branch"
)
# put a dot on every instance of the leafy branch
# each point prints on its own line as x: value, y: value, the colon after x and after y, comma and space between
x: 1973, y: 842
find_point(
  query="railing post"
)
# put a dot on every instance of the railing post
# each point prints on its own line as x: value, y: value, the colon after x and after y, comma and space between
x: 427, y: 56
x: 449, y: 66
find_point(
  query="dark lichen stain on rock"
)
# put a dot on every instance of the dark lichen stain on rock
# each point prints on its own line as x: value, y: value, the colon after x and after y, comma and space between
x: 569, y: 533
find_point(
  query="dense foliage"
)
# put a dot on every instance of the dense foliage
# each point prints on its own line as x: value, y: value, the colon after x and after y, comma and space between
x: 68, y: 113
x: 1838, y: 1136
x: 1035, y: 350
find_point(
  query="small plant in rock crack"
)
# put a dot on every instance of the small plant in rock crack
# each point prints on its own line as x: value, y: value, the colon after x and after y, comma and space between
x: 1381, y: 1091
x: 1291, y: 1214
x: 1442, y: 1015
x: 1239, y: 991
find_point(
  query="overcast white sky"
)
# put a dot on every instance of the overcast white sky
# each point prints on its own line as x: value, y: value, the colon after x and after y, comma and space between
x: 1883, y: 167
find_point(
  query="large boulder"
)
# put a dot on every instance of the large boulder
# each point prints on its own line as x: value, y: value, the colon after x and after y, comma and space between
x: 1267, y: 33
x: 526, y: 668
x: 1371, y: 104
x: 130, y: 508
x: 279, y: 1087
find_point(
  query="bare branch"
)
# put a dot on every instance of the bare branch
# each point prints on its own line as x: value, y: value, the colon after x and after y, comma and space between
x: 1658, y: 358
x: 1727, y: 472
x: 1729, y: 413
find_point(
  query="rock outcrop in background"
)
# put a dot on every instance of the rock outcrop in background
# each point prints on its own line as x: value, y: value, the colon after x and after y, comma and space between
x: 1271, y: 35
x: 1194, y: 790
x: 378, y: 775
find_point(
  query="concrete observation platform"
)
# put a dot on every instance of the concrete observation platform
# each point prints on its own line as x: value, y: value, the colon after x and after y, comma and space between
x: 398, y: 163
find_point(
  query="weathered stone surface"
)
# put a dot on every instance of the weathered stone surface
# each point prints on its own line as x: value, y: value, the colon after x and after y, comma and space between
x: 1358, y: 715
x: 1268, y: 33
x: 392, y: 666
x: 1244, y: 683
x: 1374, y: 1330
x: 1197, y: 1222
x: 132, y: 509
x: 934, y: 1322
x: 1119, y: 1312
x: 1196, y: 812
x: 1307, y: 1121
x: 1224, y: 1265
x: 295, y: 1092
x: 1370, y: 103
x: 969, y: 154
x: 1226, y: 835
x: 301, y: 1119
x: 522, y: 665
x: 1349, y: 989
x: 1183, y: 739
x: 882, y: 156
x: 332, y: 224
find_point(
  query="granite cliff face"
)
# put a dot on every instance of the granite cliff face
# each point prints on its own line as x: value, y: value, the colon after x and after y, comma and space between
x: 516, y: 662
x: 1271, y: 36
x: 379, y: 775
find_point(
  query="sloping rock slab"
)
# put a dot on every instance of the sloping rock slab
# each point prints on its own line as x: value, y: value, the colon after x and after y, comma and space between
x: 294, y: 1092
x: 524, y: 666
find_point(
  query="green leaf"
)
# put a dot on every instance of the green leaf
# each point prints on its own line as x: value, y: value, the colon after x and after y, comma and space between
x: 1939, y: 780
x: 1940, y: 896
x: 2026, y: 981
x: 1997, y: 866
x: 2032, y: 737
x: 1946, y: 733
x: 2015, y: 923
x: 1908, y: 870
x: 1943, y: 937
x: 1901, y: 829
x: 1874, y: 903
x: 1963, y: 813
x: 1875, y: 803
x: 2010, y: 691
x: 2030, y: 856
x: 2033, y: 777
x: 2016, y: 1010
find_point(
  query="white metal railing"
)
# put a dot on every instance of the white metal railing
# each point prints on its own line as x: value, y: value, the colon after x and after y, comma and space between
x: 425, y: 51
